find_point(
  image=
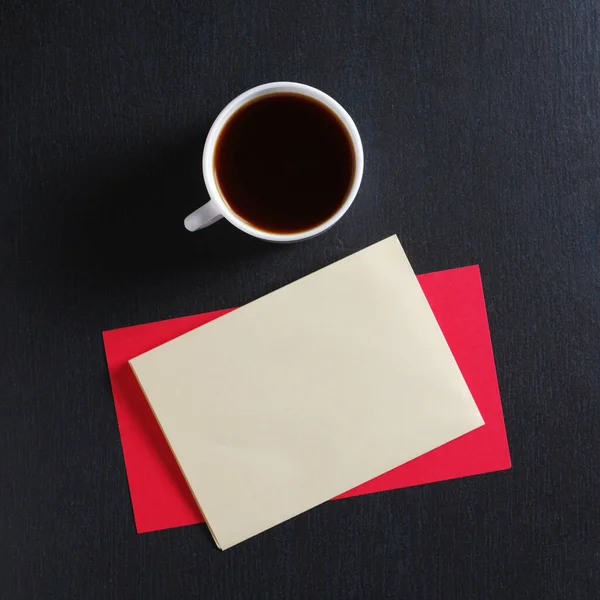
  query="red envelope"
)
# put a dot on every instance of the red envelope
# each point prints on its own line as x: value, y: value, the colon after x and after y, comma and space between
x: 159, y: 493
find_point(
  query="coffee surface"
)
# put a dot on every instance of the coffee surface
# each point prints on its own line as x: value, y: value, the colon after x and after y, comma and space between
x: 284, y: 163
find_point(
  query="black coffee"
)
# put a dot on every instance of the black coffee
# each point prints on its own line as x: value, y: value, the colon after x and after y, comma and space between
x: 284, y: 163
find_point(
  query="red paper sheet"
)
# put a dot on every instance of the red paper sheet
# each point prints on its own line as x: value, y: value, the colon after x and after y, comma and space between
x: 159, y: 493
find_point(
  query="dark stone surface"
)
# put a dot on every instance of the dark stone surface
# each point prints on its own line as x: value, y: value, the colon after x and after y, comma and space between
x: 481, y: 127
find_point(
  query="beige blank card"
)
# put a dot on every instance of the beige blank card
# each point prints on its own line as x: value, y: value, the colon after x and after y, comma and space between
x: 307, y: 392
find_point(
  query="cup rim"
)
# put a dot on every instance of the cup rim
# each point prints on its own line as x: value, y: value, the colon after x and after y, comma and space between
x: 265, y: 90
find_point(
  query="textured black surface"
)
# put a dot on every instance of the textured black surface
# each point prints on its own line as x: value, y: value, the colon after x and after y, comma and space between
x: 481, y: 126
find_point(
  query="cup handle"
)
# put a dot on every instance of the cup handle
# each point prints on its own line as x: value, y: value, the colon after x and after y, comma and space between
x: 203, y: 217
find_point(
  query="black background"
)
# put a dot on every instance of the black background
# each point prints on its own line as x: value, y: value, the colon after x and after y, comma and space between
x: 481, y: 126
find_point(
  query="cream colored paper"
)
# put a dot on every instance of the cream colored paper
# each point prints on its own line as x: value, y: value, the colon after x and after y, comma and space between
x: 307, y: 392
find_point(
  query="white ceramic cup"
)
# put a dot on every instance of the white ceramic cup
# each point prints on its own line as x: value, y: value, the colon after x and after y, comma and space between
x: 217, y: 207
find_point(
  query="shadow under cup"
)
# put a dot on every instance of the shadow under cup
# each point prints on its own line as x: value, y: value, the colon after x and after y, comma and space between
x: 284, y: 163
